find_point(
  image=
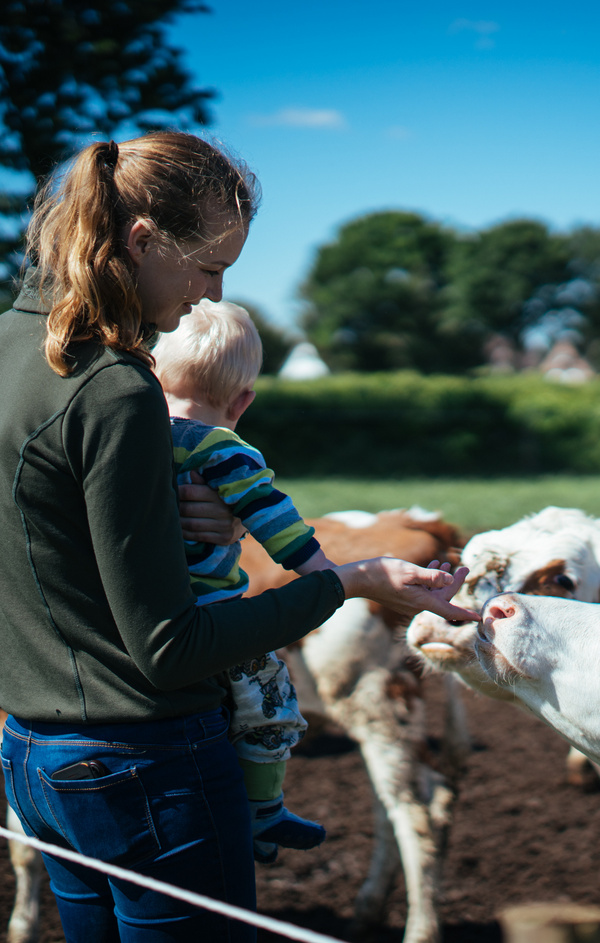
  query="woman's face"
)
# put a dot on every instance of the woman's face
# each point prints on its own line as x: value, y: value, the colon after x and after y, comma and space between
x: 170, y: 279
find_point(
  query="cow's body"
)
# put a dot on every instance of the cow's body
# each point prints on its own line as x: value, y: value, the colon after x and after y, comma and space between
x: 547, y: 651
x: 553, y: 553
x: 352, y: 670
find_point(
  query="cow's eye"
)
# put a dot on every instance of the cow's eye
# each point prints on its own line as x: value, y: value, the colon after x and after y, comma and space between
x: 565, y: 581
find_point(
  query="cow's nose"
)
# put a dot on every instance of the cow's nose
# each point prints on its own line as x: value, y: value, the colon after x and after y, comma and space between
x: 495, y: 609
x: 503, y: 606
x: 500, y: 610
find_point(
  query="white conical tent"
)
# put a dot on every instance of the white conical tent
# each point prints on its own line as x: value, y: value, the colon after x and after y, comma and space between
x: 303, y: 363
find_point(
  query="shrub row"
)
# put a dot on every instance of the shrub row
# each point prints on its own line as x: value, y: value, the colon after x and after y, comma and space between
x: 391, y: 425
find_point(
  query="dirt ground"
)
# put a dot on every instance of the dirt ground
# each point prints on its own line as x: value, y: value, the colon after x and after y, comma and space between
x: 520, y: 834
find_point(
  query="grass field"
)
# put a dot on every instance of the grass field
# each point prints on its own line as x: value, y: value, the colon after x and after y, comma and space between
x: 472, y: 504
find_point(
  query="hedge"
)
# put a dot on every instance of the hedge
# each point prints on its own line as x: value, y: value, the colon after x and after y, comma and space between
x: 391, y: 425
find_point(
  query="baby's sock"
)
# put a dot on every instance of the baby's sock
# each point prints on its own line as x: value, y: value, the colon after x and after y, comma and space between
x: 272, y: 823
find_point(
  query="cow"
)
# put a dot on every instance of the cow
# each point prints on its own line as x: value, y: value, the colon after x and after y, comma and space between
x: 555, y: 552
x: 547, y: 652
x: 353, y: 670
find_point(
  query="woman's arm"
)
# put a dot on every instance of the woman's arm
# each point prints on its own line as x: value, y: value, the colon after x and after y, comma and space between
x: 396, y: 584
x: 137, y: 546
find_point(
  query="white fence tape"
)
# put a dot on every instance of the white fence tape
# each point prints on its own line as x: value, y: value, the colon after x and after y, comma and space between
x: 198, y: 900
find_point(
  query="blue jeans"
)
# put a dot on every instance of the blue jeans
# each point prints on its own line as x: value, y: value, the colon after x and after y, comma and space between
x: 173, y: 807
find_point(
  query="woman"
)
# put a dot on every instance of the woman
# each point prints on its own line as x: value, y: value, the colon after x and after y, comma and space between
x: 116, y: 741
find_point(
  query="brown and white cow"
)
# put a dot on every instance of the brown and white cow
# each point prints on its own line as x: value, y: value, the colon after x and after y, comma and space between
x: 555, y: 552
x: 353, y: 670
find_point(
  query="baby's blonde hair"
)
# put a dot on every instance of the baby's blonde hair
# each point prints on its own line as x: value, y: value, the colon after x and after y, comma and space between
x: 214, y: 355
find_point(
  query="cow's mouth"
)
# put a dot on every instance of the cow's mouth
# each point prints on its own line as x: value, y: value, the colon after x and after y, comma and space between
x: 500, y: 669
x: 437, y: 648
x: 488, y: 655
x: 441, y: 655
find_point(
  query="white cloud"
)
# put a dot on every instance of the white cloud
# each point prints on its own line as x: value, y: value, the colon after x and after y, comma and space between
x: 483, y: 29
x: 302, y: 118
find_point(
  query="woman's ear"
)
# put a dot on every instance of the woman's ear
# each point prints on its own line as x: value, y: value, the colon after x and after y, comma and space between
x: 138, y: 241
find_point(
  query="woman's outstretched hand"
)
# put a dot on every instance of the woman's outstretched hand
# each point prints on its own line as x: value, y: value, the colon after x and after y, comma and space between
x: 407, y: 588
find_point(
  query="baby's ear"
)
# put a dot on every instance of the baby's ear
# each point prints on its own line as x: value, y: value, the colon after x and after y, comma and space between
x: 240, y: 404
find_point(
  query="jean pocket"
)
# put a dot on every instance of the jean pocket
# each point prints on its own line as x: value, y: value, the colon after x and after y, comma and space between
x: 107, y: 818
x: 9, y: 785
x: 11, y: 794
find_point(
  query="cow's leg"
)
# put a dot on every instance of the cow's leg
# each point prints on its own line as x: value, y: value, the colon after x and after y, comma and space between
x: 457, y: 744
x: 581, y: 771
x: 387, y: 719
x: 417, y: 833
x: 27, y: 865
x: 385, y: 863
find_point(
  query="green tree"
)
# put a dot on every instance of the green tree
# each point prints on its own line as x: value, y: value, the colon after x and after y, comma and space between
x: 68, y: 69
x: 373, y: 294
x: 493, y: 274
x: 276, y: 343
x: 584, y: 252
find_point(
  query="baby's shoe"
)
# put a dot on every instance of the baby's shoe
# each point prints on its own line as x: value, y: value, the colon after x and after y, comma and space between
x: 274, y: 825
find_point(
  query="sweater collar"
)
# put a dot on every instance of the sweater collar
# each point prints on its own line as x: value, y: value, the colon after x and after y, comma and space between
x: 30, y: 298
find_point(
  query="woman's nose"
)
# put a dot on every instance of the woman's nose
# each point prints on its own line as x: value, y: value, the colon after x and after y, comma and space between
x: 214, y: 291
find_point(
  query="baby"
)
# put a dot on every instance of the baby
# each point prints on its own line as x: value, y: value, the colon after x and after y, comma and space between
x: 208, y: 368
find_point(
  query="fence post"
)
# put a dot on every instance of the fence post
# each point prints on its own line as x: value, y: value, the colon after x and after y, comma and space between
x: 550, y: 923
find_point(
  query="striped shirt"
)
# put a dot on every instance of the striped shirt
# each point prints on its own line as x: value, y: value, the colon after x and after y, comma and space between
x: 238, y: 472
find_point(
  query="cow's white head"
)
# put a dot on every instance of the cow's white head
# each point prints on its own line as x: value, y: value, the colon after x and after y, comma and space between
x: 553, y: 553
x: 546, y: 653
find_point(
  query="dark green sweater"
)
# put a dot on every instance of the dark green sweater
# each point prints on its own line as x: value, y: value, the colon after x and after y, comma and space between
x: 97, y: 620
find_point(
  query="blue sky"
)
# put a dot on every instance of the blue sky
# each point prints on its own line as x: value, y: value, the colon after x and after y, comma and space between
x: 469, y: 112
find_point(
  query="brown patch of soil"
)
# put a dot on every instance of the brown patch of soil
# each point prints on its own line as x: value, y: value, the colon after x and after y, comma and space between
x: 520, y: 834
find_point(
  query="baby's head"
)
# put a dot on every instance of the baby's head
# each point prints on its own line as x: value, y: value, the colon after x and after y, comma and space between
x: 214, y: 355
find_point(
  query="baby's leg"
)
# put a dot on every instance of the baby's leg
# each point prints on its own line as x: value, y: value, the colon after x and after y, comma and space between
x: 266, y: 722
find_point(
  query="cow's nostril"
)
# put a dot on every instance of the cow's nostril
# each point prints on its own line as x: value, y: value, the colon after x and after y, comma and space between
x: 500, y: 612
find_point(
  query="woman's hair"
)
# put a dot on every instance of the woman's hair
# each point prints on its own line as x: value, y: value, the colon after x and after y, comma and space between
x: 215, y: 354
x: 174, y: 182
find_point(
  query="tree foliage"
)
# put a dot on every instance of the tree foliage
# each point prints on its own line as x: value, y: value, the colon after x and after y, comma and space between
x: 584, y: 253
x: 494, y: 272
x: 69, y: 69
x: 374, y: 293
x: 398, y: 290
